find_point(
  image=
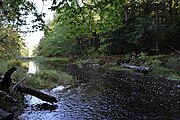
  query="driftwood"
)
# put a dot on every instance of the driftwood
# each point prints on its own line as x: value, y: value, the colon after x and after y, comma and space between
x: 174, y: 49
x: 7, y: 97
x: 89, y: 64
x: 142, y: 69
x: 7, y: 81
x: 36, y: 93
x: 5, y: 115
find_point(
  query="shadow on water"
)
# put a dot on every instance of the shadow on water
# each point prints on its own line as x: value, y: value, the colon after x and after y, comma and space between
x: 110, y: 95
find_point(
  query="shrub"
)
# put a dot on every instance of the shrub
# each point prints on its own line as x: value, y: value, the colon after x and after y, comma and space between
x: 60, y: 60
x: 14, y: 62
x: 36, y: 82
x: 51, y: 75
x: 153, y: 62
x: 66, y: 79
x: 3, y: 67
x: 142, y: 58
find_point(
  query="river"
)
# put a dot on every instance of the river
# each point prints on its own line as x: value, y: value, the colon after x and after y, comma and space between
x: 107, y: 95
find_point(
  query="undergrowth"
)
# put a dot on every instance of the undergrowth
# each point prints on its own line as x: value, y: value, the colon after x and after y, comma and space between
x: 49, y: 79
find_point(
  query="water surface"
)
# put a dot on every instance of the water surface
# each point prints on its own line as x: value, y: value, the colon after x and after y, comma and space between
x: 109, y: 95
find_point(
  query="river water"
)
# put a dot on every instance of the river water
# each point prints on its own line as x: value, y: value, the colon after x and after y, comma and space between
x: 108, y: 95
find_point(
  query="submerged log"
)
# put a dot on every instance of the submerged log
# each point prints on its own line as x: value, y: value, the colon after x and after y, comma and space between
x: 36, y: 93
x: 142, y: 69
x: 5, y: 115
x: 7, y: 97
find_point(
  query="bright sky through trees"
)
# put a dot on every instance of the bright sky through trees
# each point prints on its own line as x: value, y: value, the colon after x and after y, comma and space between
x: 32, y: 39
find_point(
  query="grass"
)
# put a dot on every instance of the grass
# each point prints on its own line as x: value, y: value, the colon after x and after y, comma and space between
x: 163, y: 65
x: 53, y: 59
x: 21, y: 68
x: 49, y: 79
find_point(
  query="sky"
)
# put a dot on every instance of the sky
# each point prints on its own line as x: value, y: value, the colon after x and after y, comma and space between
x: 32, y: 39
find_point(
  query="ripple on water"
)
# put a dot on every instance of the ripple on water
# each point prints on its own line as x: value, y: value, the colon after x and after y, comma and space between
x: 111, y: 99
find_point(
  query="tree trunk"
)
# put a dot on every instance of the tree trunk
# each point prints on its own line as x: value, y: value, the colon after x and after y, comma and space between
x: 156, y: 5
x: 142, y: 69
x: 170, y: 11
x: 126, y: 14
x: 80, y: 46
x: 6, y: 82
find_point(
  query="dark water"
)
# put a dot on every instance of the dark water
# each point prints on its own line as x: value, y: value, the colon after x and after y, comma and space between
x: 110, y: 95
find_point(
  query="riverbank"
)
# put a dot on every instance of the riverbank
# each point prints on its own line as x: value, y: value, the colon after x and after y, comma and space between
x: 165, y: 68
x: 107, y: 94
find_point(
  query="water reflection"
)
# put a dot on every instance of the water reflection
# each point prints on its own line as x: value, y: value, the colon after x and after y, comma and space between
x: 111, y: 96
x: 33, y: 67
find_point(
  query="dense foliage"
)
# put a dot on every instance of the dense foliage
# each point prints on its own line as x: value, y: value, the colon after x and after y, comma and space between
x: 112, y: 27
x: 13, y: 17
x: 12, y: 44
x: 15, y: 13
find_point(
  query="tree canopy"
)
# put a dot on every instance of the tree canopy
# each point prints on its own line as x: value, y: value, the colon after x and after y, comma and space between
x: 99, y: 26
x: 13, y: 15
x: 112, y: 27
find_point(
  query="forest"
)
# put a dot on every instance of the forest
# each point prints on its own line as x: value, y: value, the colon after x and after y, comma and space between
x: 93, y: 55
x: 139, y: 32
x: 112, y: 28
x: 90, y: 28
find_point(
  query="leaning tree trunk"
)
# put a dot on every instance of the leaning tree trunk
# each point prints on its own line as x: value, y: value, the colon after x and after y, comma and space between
x: 7, y: 81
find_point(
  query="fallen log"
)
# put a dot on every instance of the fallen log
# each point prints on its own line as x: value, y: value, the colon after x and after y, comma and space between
x: 142, y: 69
x: 36, y: 93
x: 6, y: 83
x: 174, y: 49
x: 7, y: 97
x: 5, y: 115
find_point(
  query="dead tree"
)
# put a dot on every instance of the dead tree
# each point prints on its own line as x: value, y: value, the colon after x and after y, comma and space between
x: 141, y: 69
x: 7, y: 81
x: 36, y: 93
